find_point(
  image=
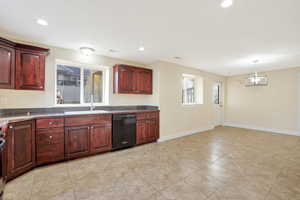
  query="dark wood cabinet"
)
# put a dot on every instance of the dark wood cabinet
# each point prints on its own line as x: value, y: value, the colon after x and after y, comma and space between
x: 88, y: 134
x: 132, y: 80
x: 20, y: 148
x: 30, y: 68
x: 147, y: 127
x: 7, y: 64
x: 124, y: 79
x: 101, y: 138
x: 77, y: 141
x: 45, y: 140
x: 50, y: 140
x: 22, y: 66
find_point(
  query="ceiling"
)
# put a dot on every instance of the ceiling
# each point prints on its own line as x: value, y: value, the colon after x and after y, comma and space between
x: 201, y: 32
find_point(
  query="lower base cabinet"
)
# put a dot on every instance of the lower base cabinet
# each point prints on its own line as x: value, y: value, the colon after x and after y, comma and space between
x: 20, y: 148
x: 147, y: 128
x: 101, y: 138
x: 77, y: 141
x: 46, y: 140
x: 50, y: 145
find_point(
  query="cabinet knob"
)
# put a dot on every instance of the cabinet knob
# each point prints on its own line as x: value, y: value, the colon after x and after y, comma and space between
x: 92, y: 127
x: 50, y: 136
x: 11, y: 127
x: 50, y: 123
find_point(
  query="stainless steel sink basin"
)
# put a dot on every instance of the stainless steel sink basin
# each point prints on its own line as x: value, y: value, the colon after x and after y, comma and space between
x: 86, y: 112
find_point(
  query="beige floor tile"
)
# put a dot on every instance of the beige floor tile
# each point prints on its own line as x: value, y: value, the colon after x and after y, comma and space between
x: 222, y: 164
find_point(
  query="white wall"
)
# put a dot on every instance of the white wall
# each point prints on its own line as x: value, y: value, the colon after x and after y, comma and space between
x: 275, y: 107
x: 28, y: 99
x: 175, y: 118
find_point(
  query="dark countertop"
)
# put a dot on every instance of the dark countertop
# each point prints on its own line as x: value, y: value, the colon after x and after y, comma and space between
x: 18, y: 118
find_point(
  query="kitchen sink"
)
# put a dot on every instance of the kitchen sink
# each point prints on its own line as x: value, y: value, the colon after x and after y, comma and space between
x: 86, y: 112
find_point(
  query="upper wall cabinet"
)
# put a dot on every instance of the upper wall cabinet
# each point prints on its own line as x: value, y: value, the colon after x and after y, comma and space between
x: 30, y: 67
x: 132, y: 80
x: 22, y: 66
x: 7, y: 64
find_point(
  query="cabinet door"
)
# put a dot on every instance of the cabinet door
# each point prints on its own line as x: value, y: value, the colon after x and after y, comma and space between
x: 144, y: 82
x: 147, y: 131
x: 147, y: 77
x: 125, y: 79
x: 77, y: 141
x: 152, y: 128
x: 141, y: 131
x: 7, y: 67
x: 101, y: 138
x: 20, y: 148
x: 50, y: 145
x: 30, y: 70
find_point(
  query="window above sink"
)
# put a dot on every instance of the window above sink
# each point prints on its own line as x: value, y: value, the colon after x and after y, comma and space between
x: 76, y: 84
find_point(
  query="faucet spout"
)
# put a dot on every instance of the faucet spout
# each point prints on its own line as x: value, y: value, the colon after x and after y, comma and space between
x: 92, y: 106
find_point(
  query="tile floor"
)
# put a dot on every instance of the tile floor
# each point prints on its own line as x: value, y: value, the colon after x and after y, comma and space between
x: 222, y: 164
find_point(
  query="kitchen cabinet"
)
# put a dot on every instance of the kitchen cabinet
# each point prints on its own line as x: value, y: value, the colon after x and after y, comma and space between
x: 147, y: 127
x: 20, y: 148
x: 30, y: 67
x: 50, y: 145
x: 101, y: 138
x: 88, y: 134
x: 22, y: 66
x: 45, y: 140
x: 132, y: 80
x: 77, y: 141
x: 7, y: 64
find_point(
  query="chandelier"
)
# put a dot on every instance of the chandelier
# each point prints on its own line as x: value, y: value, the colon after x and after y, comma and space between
x: 256, y: 79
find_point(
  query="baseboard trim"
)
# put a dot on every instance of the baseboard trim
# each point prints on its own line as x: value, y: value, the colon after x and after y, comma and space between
x: 279, y: 131
x: 186, y: 133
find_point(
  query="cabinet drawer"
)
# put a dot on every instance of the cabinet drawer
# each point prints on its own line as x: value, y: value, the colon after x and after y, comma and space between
x: 88, y: 120
x: 47, y: 137
x: 49, y: 123
x: 147, y: 115
x: 50, y: 153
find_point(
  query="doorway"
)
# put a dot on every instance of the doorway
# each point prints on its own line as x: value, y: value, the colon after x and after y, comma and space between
x: 218, y: 103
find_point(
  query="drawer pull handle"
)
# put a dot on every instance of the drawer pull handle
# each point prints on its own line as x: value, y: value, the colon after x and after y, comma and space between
x: 124, y: 142
x: 50, y: 123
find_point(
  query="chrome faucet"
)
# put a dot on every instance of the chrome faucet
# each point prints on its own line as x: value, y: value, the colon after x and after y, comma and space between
x: 92, y: 107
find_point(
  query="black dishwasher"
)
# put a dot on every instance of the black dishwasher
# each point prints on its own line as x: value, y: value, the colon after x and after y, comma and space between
x: 124, y: 131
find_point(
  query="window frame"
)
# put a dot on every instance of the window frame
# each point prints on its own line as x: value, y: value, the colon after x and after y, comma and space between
x: 198, y: 92
x: 82, y: 66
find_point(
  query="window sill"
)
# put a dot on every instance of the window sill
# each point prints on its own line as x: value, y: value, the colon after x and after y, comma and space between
x: 191, y: 104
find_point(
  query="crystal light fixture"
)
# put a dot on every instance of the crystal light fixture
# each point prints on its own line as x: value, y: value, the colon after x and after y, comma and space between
x: 256, y: 79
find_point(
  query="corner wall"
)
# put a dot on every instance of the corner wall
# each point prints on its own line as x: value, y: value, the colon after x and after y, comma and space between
x: 275, y: 107
x: 176, y: 119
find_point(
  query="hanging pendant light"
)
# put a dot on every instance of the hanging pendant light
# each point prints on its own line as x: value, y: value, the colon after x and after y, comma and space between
x: 256, y: 79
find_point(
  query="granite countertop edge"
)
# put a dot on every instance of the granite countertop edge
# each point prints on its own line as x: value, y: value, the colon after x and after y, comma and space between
x: 6, y: 120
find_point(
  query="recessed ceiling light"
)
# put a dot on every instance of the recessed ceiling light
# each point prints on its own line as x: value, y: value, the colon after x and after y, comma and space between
x: 142, y: 48
x: 177, y: 57
x: 226, y: 3
x: 42, y: 22
x: 113, y: 51
x: 87, y: 51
